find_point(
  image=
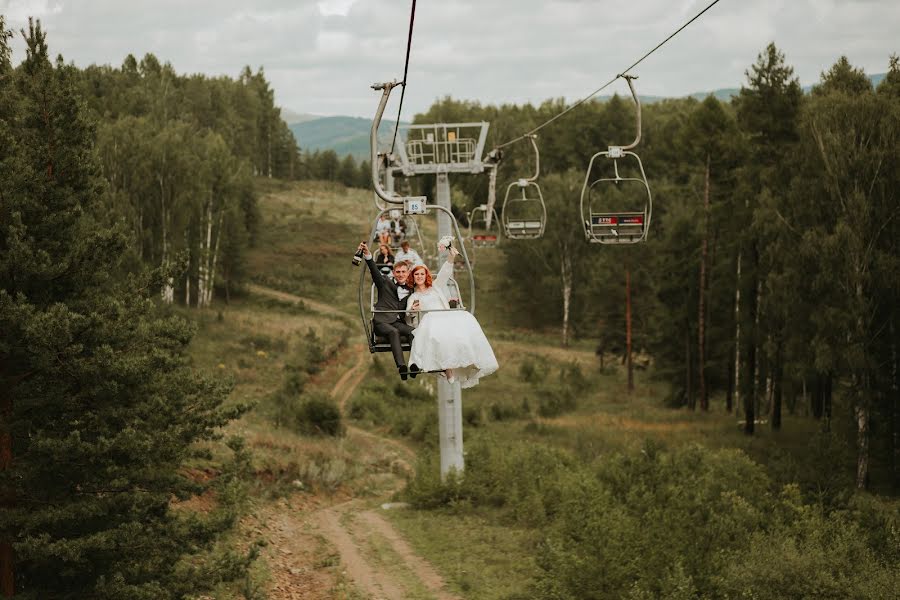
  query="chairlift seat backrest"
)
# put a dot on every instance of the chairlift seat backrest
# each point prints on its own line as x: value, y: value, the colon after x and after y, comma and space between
x: 524, y: 217
x: 603, y: 226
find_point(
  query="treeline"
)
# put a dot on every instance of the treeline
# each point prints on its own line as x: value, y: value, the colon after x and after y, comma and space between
x: 328, y: 166
x: 179, y: 153
x: 771, y: 276
x: 101, y: 411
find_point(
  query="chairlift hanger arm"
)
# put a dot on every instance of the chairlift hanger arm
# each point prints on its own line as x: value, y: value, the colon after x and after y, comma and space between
x: 537, y: 158
x: 373, y: 140
x: 637, y: 104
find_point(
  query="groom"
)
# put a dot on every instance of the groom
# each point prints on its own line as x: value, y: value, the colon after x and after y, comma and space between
x: 392, y: 296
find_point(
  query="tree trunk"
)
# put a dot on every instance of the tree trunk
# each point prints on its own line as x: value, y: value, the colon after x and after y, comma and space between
x: 140, y: 234
x: 269, y: 148
x: 737, y: 336
x: 187, y: 276
x: 168, y: 291
x: 7, y: 580
x: 688, y: 380
x: 215, y: 255
x: 628, y: 359
x: 862, y: 442
x: 756, y: 370
x: 895, y: 412
x: 566, y: 274
x: 863, y: 391
x: 777, y: 375
x: 818, y: 394
x: 752, y: 370
x: 826, y: 403
x: 701, y: 317
x: 729, y: 393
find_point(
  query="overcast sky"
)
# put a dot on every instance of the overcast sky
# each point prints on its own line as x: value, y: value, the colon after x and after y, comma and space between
x: 322, y: 56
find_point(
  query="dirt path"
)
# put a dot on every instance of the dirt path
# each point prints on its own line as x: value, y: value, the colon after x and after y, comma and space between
x: 375, y: 558
x: 322, y: 307
x: 353, y: 528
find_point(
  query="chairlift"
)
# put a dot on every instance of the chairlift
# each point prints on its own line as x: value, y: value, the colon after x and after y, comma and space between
x: 524, y: 214
x: 484, y: 227
x: 367, y: 310
x: 603, y: 222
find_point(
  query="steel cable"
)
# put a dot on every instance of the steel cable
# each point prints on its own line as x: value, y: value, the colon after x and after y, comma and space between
x: 608, y: 83
x: 412, y: 18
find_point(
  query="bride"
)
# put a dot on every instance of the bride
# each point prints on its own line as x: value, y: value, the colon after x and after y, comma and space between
x: 445, y: 340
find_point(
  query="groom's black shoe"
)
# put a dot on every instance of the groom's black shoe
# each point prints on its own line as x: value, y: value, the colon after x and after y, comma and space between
x: 403, y: 371
x: 413, y: 370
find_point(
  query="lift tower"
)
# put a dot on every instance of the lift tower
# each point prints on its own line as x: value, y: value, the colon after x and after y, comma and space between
x: 438, y: 149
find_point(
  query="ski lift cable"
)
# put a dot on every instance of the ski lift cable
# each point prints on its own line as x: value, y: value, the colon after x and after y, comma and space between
x: 608, y: 83
x: 412, y: 18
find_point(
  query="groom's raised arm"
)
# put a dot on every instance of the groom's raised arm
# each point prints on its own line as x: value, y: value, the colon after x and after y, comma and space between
x: 378, y: 278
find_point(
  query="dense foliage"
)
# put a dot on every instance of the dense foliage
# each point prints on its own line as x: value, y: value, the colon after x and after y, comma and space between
x: 771, y: 276
x: 99, y: 406
x: 658, y: 523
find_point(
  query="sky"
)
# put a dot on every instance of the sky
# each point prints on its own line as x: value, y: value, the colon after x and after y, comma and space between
x: 322, y: 56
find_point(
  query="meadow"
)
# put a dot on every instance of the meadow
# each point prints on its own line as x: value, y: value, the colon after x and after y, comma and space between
x: 548, y: 430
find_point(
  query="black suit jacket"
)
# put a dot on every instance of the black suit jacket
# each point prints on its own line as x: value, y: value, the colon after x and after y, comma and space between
x: 388, y: 298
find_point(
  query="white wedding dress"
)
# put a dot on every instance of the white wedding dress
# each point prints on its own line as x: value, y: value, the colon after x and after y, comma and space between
x: 449, y: 340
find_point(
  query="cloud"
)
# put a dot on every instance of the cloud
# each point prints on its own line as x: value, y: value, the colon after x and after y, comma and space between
x: 322, y: 55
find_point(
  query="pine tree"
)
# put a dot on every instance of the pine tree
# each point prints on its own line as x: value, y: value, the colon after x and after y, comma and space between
x: 98, y: 397
x: 767, y: 110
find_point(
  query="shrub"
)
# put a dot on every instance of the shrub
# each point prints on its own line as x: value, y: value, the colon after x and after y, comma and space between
x: 472, y: 415
x: 314, y: 352
x: 504, y: 412
x: 318, y: 415
x: 533, y: 369
x: 554, y: 402
x: 570, y: 376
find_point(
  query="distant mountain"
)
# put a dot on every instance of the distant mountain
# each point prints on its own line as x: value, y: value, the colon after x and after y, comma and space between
x: 344, y: 135
x: 350, y: 135
x: 290, y: 117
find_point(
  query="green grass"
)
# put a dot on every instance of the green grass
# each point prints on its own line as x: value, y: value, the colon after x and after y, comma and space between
x: 478, y: 558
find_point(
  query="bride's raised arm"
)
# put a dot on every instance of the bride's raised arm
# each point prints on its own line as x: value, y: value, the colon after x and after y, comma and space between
x: 446, y: 271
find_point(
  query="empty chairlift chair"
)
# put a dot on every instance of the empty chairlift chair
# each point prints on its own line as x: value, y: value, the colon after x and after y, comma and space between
x: 524, y: 214
x: 616, y: 208
x: 484, y: 227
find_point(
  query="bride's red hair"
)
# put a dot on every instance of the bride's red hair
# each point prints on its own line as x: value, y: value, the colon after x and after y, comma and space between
x: 428, y: 278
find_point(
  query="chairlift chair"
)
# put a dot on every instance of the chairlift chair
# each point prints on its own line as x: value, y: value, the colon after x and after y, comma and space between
x: 488, y: 226
x: 601, y: 224
x: 367, y: 310
x: 524, y: 214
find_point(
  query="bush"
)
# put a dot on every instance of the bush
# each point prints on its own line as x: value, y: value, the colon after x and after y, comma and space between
x: 503, y: 412
x: 533, y: 369
x: 570, y: 376
x: 554, y: 402
x: 807, y: 553
x: 314, y: 352
x: 521, y: 478
x: 318, y: 415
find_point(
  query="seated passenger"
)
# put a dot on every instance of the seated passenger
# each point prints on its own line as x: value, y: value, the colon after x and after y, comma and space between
x: 409, y: 255
x: 445, y: 340
x: 384, y: 258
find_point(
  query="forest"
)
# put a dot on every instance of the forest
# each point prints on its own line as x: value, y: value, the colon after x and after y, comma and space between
x: 768, y: 290
x: 770, y: 278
